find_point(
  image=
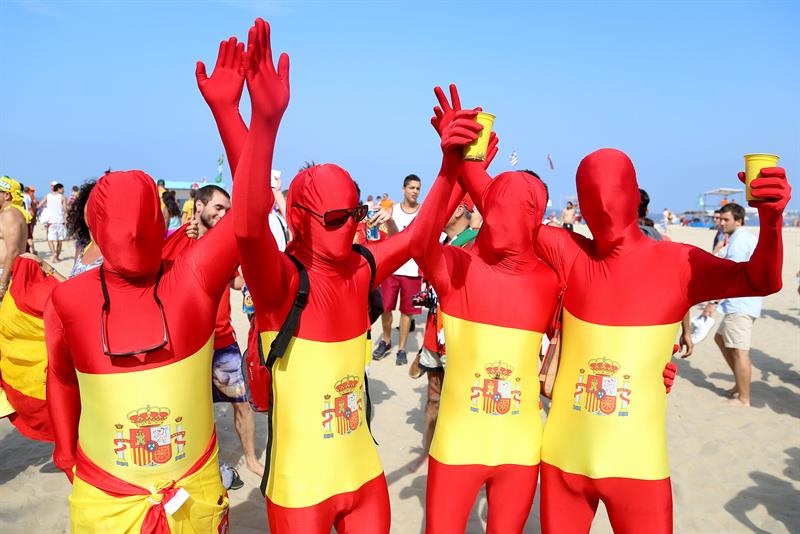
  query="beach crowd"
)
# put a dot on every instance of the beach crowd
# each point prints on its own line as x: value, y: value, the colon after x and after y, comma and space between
x: 119, y: 361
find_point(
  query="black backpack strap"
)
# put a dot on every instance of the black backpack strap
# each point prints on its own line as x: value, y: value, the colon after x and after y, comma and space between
x: 277, y: 349
x: 281, y: 342
x: 367, y: 254
x: 364, y: 251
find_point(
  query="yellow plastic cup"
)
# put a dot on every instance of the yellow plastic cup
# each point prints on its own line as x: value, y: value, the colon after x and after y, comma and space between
x: 476, y: 151
x: 753, y: 163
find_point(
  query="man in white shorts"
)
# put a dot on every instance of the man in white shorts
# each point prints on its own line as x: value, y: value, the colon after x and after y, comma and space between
x: 735, y: 331
x: 56, y: 206
x: 406, y: 281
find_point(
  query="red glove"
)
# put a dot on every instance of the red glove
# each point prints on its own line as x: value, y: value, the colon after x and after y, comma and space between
x: 670, y: 370
x: 224, y: 87
x: 491, y: 151
x: 269, y: 89
x: 222, y: 92
x: 444, y: 113
x: 771, y: 191
x: 461, y: 131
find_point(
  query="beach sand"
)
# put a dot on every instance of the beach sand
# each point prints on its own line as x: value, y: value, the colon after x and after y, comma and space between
x: 734, y: 469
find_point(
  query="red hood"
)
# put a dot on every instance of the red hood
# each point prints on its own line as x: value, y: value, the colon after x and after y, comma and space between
x: 609, y: 198
x: 320, y: 188
x: 124, y: 217
x: 513, y: 206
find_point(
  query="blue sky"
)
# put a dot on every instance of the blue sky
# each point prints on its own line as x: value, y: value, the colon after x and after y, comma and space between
x: 684, y: 88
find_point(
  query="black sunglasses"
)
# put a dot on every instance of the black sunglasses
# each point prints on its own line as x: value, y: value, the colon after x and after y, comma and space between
x: 107, y: 307
x: 337, y: 218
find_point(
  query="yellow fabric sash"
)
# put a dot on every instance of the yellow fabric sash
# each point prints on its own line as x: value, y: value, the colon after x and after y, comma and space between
x: 94, y: 511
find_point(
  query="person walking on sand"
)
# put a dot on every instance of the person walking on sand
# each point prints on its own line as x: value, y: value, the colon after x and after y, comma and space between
x: 56, y: 206
x: 736, y: 328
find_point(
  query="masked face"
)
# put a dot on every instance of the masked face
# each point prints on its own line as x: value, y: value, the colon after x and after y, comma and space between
x: 513, y: 205
x: 124, y: 217
x: 608, y: 195
x: 313, y: 192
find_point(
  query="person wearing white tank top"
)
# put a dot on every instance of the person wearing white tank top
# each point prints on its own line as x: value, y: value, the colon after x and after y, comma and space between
x: 56, y: 206
x: 404, y: 283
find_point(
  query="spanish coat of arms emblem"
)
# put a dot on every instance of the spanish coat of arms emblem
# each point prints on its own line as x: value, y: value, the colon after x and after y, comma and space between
x: 344, y: 412
x: 150, y: 439
x: 600, y: 392
x: 495, y: 392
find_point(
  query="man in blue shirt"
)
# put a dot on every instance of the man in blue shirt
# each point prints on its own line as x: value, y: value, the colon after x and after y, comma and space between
x: 735, y: 330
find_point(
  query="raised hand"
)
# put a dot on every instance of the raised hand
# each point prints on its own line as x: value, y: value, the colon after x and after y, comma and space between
x: 771, y: 191
x: 269, y: 89
x: 459, y: 132
x: 491, y: 150
x: 224, y: 87
x: 444, y: 113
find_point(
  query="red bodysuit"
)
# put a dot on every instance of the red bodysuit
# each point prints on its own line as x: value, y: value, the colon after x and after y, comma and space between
x: 127, y: 386
x: 496, y: 302
x: 324, y: 466
x: 605, y: 436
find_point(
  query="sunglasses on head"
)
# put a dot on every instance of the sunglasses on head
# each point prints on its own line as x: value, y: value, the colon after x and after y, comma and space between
x: 104, y: 321
x: 336, y: 218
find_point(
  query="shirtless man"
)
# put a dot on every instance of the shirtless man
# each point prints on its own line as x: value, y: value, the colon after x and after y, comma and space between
x: 568, y: 217
x: 13, y: 228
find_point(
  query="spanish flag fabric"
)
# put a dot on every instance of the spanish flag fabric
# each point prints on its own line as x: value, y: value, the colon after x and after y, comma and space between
x: 609, y: 393
x: 23, y: 356
x: 319, y: 422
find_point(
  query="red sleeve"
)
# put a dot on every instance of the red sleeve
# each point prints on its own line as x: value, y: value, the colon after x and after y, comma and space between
x: 214, y: 257
x: 709, y: 277
x: 263, y: 265
x: 425, y: 247
x: 475, y: 179
x: 232, y: 131
x: 63, y: 398
x: 558, y: 248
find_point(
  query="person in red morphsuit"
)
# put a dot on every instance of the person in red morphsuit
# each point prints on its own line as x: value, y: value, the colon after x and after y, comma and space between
x: 496, y: 302
x: 128, y: 368
x: 128, y: 376
x: 605, y: 437
x: 324, y: 469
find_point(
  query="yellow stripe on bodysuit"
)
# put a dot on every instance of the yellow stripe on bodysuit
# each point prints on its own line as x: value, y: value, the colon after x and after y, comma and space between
x: 321, y: 444
x: 489, y: 409
x: 608, y: 416
x: 148, y: 426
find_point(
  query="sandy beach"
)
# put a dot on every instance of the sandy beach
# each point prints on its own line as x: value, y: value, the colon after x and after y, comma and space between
x: 734, y: 469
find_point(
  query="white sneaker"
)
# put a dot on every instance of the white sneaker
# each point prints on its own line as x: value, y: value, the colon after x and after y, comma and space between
x: 701, y: 326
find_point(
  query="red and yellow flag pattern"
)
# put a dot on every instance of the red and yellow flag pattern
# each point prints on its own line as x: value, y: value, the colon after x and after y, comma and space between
x: 23, y: 356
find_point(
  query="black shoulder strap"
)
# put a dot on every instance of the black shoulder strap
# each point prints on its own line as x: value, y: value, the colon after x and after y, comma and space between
x: 278, y: 348
x: 289, y: 327
x: 364, y: 251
